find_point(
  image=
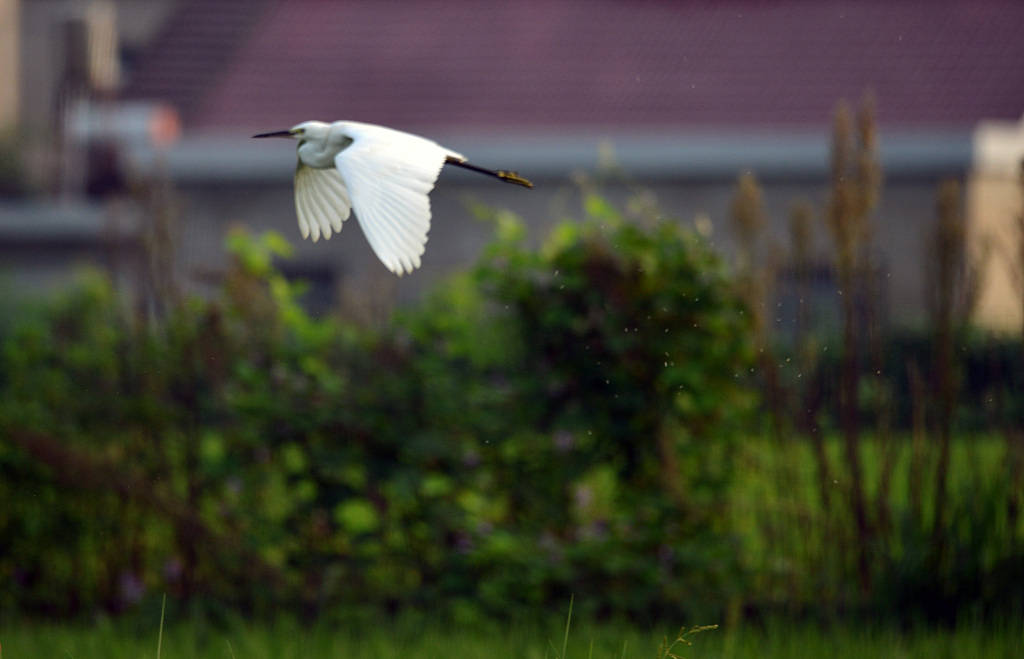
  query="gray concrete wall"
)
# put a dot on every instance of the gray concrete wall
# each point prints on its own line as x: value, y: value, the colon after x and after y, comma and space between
x: 456, y: 239
x: 220, y: 181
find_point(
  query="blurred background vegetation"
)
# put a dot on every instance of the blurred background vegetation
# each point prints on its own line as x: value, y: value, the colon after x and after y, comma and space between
x: 615, y: 414
x: 750, y: 369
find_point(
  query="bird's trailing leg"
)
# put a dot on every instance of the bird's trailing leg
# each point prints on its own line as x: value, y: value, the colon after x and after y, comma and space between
x: 501, y: 174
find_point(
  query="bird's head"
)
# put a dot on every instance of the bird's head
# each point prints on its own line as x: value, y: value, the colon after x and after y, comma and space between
x: 307, y: 130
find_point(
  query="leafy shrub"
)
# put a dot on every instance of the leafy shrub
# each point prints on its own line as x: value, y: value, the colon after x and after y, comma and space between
x: 550, y: 422
x: 605, y: 371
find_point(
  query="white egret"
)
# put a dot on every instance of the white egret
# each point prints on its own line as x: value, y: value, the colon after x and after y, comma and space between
x: 383, y: 174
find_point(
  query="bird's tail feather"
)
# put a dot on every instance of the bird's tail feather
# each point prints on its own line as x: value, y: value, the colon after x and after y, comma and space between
x: 501, y: 174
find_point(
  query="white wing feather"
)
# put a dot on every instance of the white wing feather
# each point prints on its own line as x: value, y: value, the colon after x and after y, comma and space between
x: 389, y: 175
x: 321, y: 201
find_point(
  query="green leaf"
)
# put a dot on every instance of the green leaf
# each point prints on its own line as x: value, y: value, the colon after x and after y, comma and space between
x: 600, y: 208
x: 357, y: 516
x: 294, y: 458
x: 435, y: 485
x: 211, y: 449
x: 277, y: 244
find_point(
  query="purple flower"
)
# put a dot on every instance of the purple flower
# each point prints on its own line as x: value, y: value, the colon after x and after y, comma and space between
x: 130, y: 587
x: 564, y: 441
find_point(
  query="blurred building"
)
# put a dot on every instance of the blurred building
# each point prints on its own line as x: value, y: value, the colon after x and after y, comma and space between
x: 680, y: 97
x: 9, y: 60
x: 995, y: 206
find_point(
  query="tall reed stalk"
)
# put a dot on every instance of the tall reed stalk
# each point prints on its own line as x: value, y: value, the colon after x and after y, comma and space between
x: 853, y: 195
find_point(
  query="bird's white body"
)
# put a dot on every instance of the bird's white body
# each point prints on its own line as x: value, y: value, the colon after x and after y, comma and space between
x: 383, y: 174
x: 320, y: 143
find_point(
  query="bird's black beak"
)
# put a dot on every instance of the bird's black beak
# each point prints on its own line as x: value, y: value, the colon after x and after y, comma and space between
x: 276, y: 133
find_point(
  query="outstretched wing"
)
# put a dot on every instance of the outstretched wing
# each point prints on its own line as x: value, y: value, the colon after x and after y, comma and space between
x: 321, y: 201
x: 389, y: 175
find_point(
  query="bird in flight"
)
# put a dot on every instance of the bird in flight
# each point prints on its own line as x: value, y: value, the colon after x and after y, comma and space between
x: 383, y: 174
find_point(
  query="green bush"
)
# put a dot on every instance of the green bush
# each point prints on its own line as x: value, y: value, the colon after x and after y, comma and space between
x: 604, y: 374
x: 553, y: 421
x: 991, y: 382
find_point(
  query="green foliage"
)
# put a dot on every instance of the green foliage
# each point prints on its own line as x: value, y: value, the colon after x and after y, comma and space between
x: 991, y: 393
x: 555, y: 423
x: 798, y: 549
x: 551, y: 422
x: 623, y: 346
x: 284, y: 639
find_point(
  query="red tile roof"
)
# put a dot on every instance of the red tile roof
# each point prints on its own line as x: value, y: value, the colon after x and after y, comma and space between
x: 622, y: 65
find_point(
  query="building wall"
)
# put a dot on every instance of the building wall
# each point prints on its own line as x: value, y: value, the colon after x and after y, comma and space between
x: 40, y: 62
x: 995, y: 212
x: 9, y: 63
x: 456, y: 239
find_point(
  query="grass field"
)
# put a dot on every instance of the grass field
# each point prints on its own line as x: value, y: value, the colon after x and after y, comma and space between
x: 775, y: 508
x: 784, y: 476
x: 801, y: 552
x: 285, y: 641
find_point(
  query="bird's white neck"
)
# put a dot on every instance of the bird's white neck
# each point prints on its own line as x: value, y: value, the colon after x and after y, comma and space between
x: 317, y: 153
